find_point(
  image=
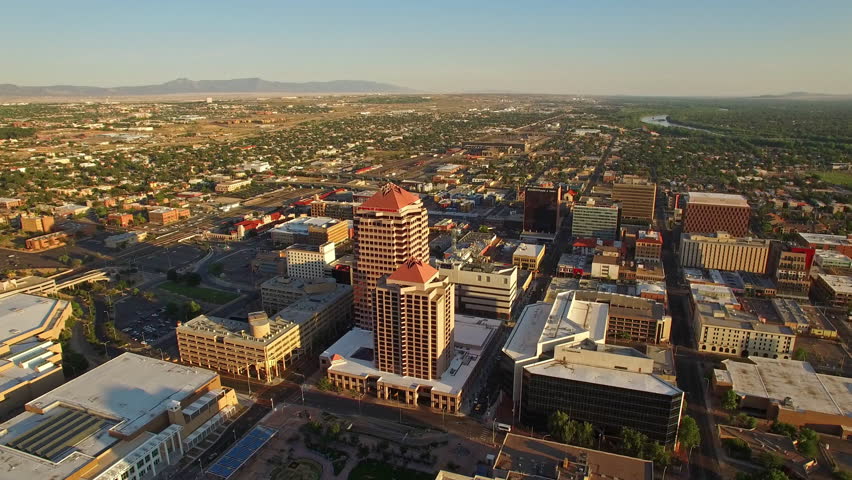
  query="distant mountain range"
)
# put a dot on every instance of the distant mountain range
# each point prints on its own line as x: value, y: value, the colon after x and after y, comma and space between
x: 184, y: 85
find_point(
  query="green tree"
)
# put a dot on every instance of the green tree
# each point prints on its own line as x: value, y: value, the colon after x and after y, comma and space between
x: 324, y: 384
x: 781, y: 428
x: 800, y: 354
x: 192, y: 279
x: 556, y: 423
x: 76, y: 311
x: 737, y: 448
x: 216, y: 269
x: 773, y: 474
x: 633, y: 442
x: 689, y: 434
x: 808, y: 443
x: 769, y: 460
x: 744, y: 421
x: 658, y: 454
x: 730, y: 400
x: 193, y: 309
x: 172, y: 275
x: 585, y: 435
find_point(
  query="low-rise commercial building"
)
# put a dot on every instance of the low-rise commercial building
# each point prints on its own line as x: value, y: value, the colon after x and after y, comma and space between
x: 790, y: 391
x: 309, y: 261
x: 10, y: 203
x: 265, y: 346
x: 124, y: 240
x: 50, y: 240
x: 122, y: 220
x: 649, y: 246
x: 528, y: 256
x: 280, y: 292
x: 30, y: 352
x: 166, y: 215
x: 722, y: 327
x: 232, y: 185
x: 835, y: 290
x: 70, y: 209
x: 792, y: 266
x: 832, y: 260
x: 605, y: 266
x: 37, y: 224
x: 350, y: 364
x: 483, y: 289
x: 840, y: 243
x: 312, y: 230
x: 631, y: 318
x: 339, y: 210
x: 521, y: 457
x: 721, y: 251
x: 128, y: 419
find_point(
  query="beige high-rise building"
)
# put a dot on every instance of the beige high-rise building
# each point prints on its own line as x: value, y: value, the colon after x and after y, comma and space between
x: 391, y: 227
x: 724, y: 252
x: 414, y: 321
x: 637, y: 197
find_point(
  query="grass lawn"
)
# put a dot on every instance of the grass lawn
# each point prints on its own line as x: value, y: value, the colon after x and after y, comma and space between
x: 203, y: 294
x: 376, y: 470
x: 837, y: 177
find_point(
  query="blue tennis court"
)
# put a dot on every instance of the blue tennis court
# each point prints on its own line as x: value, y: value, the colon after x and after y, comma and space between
x: 241, y: 452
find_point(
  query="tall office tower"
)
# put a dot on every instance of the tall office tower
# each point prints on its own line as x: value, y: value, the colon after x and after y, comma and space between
x: 594, y: 220
x: 414, y: 321
x: 637, y: 197
x: 391, y: 227
x: 541, y: 211
x: 716, y: 212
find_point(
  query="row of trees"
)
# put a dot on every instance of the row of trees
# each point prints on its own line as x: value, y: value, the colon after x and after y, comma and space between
x: 632, y: 442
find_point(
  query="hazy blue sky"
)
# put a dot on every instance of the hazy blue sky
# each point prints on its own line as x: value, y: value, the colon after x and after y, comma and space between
x: 591, y: 47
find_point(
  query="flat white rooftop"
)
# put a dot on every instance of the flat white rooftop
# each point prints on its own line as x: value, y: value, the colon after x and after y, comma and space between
x: 839, y: 283
x: 472, y: 331
x: 565, y: 319
x: 22, y: 313
x: 777, y: 379
x: 528, y: 250
x: 130, y: 388
x: 301, y: 224
x: 641, y: 382
x: 725, y: 199
x: 825, y: 239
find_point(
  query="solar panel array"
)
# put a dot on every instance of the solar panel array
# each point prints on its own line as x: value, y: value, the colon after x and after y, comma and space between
x: 241, y: 452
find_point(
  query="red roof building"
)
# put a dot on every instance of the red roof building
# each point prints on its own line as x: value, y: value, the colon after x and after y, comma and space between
x: 414, y: 271
x: 390, y: 198
x: 391, y: 227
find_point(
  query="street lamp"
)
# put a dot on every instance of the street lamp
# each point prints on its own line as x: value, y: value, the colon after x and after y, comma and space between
x: 301, y: 386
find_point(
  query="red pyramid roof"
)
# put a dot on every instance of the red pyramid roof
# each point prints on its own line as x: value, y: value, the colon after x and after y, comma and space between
x: 414, y: 271
x: 336, y: 357
x: 390, y: 198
